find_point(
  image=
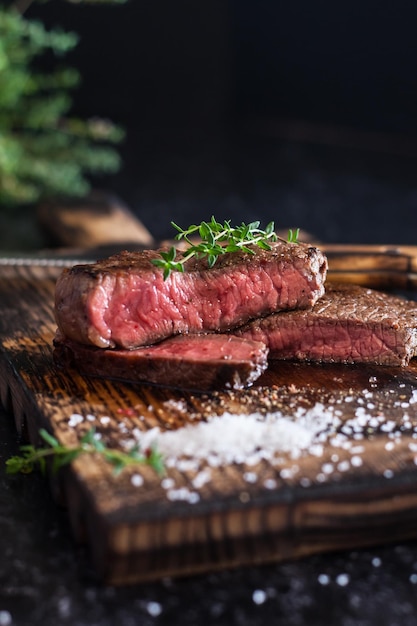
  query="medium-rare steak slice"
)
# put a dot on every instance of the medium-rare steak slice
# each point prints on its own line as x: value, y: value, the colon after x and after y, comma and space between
x: 194, y: 362
x: 124, y: 301
x: 349, y: 324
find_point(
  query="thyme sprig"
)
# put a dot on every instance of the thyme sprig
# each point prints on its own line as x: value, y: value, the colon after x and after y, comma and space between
x: 217, y: 239
x: 61, y: 455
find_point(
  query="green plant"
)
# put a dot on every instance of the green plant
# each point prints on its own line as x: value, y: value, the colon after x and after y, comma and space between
x: 44, y: 151
x: 216, y: 239
x: 61, y: 455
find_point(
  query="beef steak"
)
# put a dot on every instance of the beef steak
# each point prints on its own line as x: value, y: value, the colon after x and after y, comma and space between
x: 349, y: 324
x: 195, y: 362
x: 124, y: 301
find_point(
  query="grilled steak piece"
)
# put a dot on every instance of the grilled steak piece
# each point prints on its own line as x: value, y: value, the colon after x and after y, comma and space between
x: 349, y: 324
x: 194, y: 362
x: 123, y: 301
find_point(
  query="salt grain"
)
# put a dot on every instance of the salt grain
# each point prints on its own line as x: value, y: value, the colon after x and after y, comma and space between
x: 5, y: 618
x: 323, y: 579
x: 259, y: 596
x: 75, y: 419
x: 201, y: 478
x: 342, y: 580
x: 167, y: 483
x: 250, y: 477
x: 154, y: 608
x: 137, y: 480
x: 343, y: 466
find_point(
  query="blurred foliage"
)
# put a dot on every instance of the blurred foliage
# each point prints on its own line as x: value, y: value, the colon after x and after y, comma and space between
x: 44, y: 151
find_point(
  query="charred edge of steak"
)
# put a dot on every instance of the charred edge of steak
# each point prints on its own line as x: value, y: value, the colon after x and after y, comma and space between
x: 349, y: 324
x: 124, y: 302
x: 192, y: 362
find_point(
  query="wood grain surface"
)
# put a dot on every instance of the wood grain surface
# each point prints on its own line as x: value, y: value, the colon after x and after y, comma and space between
x: 357, y: 487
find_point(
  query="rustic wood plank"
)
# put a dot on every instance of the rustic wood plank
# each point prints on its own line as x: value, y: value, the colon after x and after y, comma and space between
x: 296, y: 506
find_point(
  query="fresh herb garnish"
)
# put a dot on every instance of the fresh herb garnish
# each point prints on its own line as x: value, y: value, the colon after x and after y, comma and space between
x: 293, y: 235
x: 216, y: 239
x: 89, y: 444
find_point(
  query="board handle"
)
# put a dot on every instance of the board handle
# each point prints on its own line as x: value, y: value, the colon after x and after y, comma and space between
x: 377, y: 266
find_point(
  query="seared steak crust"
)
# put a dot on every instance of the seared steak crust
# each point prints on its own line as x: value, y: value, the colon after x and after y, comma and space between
x: 349, y: 324
x: 123, y: 301
x: 193, y: 362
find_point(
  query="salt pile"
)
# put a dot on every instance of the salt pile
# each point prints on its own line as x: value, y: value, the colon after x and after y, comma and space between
x: 232, y: 438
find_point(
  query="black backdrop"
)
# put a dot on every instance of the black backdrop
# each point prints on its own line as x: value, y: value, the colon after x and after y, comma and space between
x: 303, y: 112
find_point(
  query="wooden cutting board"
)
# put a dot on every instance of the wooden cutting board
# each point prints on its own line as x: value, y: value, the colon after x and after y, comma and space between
x: 354, y: 484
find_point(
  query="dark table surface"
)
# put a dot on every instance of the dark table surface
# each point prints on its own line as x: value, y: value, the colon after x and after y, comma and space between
x: 341, y: 195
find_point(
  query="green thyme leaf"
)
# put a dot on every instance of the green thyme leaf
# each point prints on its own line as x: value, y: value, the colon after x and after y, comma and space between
x: 60, y: 455
x: 216, y: 239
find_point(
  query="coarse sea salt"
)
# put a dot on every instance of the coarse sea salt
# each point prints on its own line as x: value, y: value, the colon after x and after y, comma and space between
x: 231, y: 438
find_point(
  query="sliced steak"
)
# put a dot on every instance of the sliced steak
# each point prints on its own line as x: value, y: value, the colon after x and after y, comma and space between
x: 124, y: 301
x: 194, y: 362
x: 349, y: 324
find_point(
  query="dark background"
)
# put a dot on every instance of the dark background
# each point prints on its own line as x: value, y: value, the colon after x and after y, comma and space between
x: 301, y: 112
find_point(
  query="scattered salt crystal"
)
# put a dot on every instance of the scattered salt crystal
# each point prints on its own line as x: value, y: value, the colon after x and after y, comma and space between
x: 356, y: 461
x: 287, y: 472
x: 75, y: 419
x: 413, y: 579
x: 5, y: 618
x: 388, y: 426
x: 316, y: 450
x: 183, y: 493
x: 388, y: 473
x: 259, y: 596
x: 343, y: 466
x: 167, y: 483
x: 327, y: 468
x: 270, y: 483
x: 376, y: 561
x: 323, y: 579
x: 105, y: 420
x: 137, y: 480
x: 250, y: 477
x: 154, y: 608
x: 342, y: 580
x: 201, y: 478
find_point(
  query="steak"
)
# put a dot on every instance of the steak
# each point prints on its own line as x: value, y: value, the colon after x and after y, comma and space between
x: 194, y: 362
x: 124, y: 301
x: 349, y: 324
